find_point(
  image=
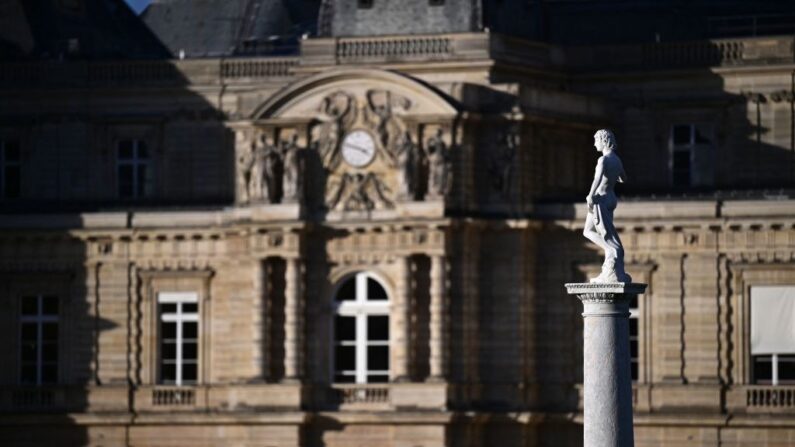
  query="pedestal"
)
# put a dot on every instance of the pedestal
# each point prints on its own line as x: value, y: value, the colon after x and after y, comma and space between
x: 607, y: 384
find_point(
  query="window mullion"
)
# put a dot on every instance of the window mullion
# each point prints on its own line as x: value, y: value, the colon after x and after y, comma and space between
x: 774, y: 365
x: 361, y: 348
x: 39, y: 337
x: 179, y: 345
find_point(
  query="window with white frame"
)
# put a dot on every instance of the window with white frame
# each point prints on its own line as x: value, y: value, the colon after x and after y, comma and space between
x: 634, y: 337
x: 361, y: 331
x: 10, y: 169
x: 133, y: 169
x: 691, y: 151
x: 38, y: 353
x: 773, y: 335
x: 179, y: 337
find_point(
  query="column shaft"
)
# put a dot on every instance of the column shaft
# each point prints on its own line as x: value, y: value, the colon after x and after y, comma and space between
x: 401, y: 322
x: 293, y: 321
x: 438, y: 323
x: 607, y: 383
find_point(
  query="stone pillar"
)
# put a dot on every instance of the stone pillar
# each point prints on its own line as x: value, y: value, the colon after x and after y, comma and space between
x: 401, y: 323
x: 438, y: 324
x: 293, y: 321
x: 607, y: 384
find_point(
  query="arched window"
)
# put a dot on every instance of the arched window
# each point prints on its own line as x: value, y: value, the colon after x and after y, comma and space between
x: 361, y: 331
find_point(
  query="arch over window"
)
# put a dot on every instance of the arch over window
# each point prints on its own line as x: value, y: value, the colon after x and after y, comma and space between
x: 361, y: 330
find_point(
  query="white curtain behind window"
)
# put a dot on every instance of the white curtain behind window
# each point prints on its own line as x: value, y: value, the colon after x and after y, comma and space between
x: 772, y: 320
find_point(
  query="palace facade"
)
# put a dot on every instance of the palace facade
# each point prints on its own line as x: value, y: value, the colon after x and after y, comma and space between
x: 348, y: 223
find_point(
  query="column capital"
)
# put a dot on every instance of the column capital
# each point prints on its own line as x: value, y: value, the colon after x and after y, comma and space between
x: 605, y: 293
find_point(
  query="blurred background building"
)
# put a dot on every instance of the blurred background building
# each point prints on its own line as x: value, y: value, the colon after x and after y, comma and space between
x: 348, y: 222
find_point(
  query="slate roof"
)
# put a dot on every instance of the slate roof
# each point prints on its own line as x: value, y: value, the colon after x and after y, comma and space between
x: 213, y: 28
x: 74, y: 29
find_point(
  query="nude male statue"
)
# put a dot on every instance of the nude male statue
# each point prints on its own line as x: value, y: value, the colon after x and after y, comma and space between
x: 602, y: 201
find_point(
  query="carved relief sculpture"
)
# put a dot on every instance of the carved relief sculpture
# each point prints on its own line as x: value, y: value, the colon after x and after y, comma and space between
x: 337, y: 112
x: 439, y: 167
x: 291, y: 182
x: 245, y: 162
x: 380, y: 114
x: 602, y: 202
x: 502, y: 162
x: 406, y: 162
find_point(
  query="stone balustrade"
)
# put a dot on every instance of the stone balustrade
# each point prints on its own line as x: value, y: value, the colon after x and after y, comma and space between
x: 761, y: 399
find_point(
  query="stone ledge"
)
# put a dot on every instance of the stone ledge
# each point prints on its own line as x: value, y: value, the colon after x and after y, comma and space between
x: 613, y: 288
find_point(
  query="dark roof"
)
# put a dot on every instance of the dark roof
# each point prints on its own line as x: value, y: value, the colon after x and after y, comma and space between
x: 208, y: 28
x: 74, y: 29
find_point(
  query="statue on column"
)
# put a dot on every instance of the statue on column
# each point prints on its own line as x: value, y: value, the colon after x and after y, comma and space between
x: 439, y: 175
x: 602, y: 202
x: 291, y: 187
x: 245, y: 163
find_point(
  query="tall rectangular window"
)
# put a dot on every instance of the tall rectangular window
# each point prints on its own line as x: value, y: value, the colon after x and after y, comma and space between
x: 179, y: 338
x: 133, y: 169
x: 691, y: 152
x: 10, y: 169
x: 38, y: 340
x: 773, y: 335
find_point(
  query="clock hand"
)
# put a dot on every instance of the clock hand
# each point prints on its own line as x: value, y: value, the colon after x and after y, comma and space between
x: 358, y: 148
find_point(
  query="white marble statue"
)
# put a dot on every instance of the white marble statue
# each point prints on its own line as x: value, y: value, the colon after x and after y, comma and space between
x: 602, y: 202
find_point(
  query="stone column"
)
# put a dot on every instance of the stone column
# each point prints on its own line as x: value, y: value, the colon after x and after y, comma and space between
x: 607, y: 401
x: 438, y: 323
x: 401, y: 323
x: 293, y: 321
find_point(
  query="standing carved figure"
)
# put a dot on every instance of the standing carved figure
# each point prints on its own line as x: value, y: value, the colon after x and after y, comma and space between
x: 439, y: 175
x: 291, y: 186
x: 602, y: 202
x: 406, y: 164
x: 256, y: 184
x: 272, y: 174
x: 245, y: 163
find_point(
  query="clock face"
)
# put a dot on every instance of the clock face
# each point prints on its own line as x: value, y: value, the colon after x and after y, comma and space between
x: 358, y: 148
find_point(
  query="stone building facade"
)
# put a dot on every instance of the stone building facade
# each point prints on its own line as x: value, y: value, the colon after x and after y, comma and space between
x: 365, y: 244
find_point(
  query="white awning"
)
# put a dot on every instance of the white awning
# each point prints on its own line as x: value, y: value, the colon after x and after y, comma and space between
x: 772, y: 320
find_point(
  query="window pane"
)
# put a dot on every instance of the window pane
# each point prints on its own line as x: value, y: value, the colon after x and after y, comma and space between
x: 633, y: 302
x: 190, y: 308
x: 763, y: 369
x: 125, y: 181
x: 11, y: 180
x: 30, y: 332
x: 49, y: 373
x: 49, y: 331
x: 190, y: 351
x: 344, y: 358
x: 374, y: 291
x: 11, y: 149
x: 143, y: 152
x: 345, y: 328
x: 633, y: 370
x: 189, y: 372
x: 378, y: 327
x: 28, y: 351
x: 168, y: 331
x: 700, y: 137
x: 681, y: 168
x: 190, y: 330
x: 168, y: 373
x: 786, y: 368
x: 348, y: 290
x: 377, y: 358
x: 633, y: 327
x: 168, y: 351
x: 168, y: 308
x: 49, y: 352
x: 30, y: 305
x: 27, y: 374
x: 142, y: 184
x: 50, y: 305
x: 377, y: 378
x: 339, y: 378
x: 681, y: 135
x: 125, y: 149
